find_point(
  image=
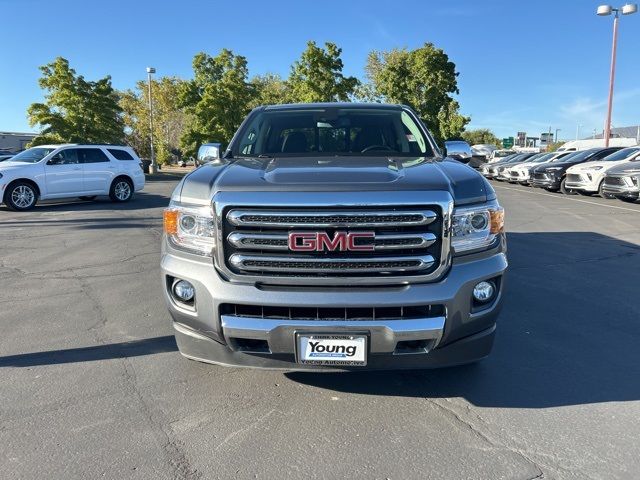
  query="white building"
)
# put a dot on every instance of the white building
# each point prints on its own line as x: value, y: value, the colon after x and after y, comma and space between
x: 15, y: 141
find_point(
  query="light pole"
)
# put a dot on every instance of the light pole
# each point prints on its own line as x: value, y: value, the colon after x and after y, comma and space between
x: 555, y: 139
x: 153, y: 168
x: 604, y: 10
x: 578, y: 127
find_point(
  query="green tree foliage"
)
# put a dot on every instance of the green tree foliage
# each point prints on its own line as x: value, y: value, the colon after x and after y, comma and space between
x: 317, y: 76
x: 481, y: 136
x: 216, y: 100
x: 270, y: 89
x: 424, y: 79
x: 169, y: 120
x: 75, y: 110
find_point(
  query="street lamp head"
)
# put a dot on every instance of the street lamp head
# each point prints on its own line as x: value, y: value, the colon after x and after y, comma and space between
x: 604, y: 10
x: 630, y: 8
x: 151, y: 70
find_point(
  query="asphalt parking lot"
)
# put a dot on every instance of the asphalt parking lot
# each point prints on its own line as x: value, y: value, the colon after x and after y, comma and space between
x: 92, y: 384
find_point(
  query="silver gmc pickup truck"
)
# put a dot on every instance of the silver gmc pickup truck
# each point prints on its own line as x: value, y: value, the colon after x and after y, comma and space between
x: 334, y: 236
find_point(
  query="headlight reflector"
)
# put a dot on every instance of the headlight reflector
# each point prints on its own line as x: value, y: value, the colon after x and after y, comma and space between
x: 190, y: 228
x: 476, y: 227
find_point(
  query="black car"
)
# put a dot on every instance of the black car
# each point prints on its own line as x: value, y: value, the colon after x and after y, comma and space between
x: 551, y: 176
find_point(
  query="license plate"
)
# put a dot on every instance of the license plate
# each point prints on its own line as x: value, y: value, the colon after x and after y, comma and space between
x: 332, y: 349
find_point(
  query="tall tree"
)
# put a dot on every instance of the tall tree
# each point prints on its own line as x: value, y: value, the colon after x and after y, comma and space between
x: 481, y: 136
x: 169, y: 120
x: 317, y: 75
x: 424, y: 79
x: 217, y: 99
x: 75, y: 110
x: 270, y: 89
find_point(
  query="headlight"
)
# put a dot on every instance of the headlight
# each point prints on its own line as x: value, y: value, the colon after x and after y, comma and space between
x: 190, y: 228
x: 595, y: 168
x: 476, y: 227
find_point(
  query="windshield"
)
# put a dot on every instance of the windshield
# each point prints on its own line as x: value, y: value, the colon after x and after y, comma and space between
x: 561, y: 157
x: 622, y: 155
x: 498, y: 154
x: 32, y: 155
x: 349, y: 131
x: 542, y: 158
x: 580, y: 156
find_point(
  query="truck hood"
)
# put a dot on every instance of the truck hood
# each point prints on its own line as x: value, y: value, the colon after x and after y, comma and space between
x: 337, y: 174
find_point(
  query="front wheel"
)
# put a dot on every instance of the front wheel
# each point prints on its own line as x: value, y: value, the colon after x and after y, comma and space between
x: 564, y: 189
x: 21, y: 196
x: 602, y: 193
x: 121, y: 190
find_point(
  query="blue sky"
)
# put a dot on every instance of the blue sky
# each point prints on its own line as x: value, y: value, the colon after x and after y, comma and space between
x: 523, y: 65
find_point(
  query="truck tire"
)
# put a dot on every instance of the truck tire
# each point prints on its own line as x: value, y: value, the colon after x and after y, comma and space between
x: 21, y: 196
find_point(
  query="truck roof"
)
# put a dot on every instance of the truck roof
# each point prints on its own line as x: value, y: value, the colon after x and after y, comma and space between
x: 311, y: 106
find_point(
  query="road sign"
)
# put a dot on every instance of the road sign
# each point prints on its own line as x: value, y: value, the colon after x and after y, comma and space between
x: 507, y: 142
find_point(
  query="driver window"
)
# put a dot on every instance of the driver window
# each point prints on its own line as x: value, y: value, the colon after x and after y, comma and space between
x: 65, y: 157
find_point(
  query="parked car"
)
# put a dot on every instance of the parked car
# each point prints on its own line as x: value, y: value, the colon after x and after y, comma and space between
x: 588, y: 178
x: 6, y: 157
x: 504, y: 172
x: 498, y: 155
x: 623, y: 181
x: 300, y: 251
x: 496, y: 170
x: 480, y: 155
x: 487, y: 170
x: 513, y: 173
x: 63, y: 171
x: 521, y: 173
x: 552, y: 176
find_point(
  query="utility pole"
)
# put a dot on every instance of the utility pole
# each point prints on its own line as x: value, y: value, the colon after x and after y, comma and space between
x: 153, y: 168
x: 604, y: 10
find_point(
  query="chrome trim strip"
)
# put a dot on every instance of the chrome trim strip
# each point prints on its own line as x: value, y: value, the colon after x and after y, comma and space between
x: 384, y: 334
x: 239, y: 261
x: 243, y: 240
x: 235, y: 217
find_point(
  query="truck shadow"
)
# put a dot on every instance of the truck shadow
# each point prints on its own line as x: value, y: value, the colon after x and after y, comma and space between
x: 568, y: 334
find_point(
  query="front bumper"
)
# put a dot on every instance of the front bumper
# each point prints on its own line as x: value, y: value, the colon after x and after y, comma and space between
x: 551, y: 183
x: 624, y: 191
x: 462, y: 334
x: 582, y: 184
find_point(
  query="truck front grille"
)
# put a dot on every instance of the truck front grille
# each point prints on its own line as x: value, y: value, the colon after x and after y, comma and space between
x: 407, y: 241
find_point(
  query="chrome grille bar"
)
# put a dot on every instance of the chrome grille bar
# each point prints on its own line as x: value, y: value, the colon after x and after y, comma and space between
x: 259, y: 263
x: 279, y: 241
x: 337, y: 218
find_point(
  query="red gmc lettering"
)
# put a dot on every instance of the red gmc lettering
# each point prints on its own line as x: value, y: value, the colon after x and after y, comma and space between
x: 322, y: 241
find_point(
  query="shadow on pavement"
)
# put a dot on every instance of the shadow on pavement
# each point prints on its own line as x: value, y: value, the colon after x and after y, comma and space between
x: 569, y: 332
x: 135, y: 348
x: 140, y: 201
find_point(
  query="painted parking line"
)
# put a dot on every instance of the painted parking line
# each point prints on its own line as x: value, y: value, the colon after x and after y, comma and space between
x: 533, y: 192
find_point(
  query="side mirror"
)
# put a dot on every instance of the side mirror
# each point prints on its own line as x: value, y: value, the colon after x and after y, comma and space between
x: 209, y: 152
x: 458, y: 150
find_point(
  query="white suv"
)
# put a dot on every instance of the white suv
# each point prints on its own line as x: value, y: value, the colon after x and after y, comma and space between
x: 588, y: 178
x: 61, y: 171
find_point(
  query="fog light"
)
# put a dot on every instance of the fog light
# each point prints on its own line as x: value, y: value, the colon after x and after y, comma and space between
x: 184, y: 290
x: 484, y: 291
